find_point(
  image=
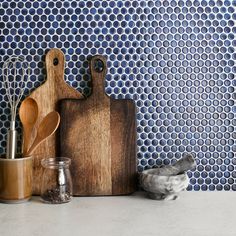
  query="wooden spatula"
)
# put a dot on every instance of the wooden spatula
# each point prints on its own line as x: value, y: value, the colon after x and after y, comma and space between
x: 46, y: 128
x: 28, y: 115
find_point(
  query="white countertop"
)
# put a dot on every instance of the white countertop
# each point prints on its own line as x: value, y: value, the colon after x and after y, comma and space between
x: 193, y: 214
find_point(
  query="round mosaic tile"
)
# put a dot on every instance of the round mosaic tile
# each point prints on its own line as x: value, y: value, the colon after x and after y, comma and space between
x: 176, y: 59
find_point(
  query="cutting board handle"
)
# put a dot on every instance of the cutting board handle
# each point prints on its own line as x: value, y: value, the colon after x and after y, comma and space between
x: 98, y: 69
x: 55, y: 64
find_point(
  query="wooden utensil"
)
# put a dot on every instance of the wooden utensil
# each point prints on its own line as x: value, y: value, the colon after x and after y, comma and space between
x: 28, y: 113
x: 99, y: 135
x: 47, y: 97
x: 46, y: 128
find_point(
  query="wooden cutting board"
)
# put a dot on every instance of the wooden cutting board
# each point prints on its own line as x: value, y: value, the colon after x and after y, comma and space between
x: 99, y: 135
x: 47, y: 97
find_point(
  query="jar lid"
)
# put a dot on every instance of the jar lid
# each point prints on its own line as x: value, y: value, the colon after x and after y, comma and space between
x: 56, y: 162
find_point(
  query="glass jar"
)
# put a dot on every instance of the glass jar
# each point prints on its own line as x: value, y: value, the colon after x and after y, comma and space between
x: 56, y: 183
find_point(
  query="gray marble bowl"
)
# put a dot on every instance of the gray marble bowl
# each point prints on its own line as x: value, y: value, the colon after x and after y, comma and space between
x: 163, y: 187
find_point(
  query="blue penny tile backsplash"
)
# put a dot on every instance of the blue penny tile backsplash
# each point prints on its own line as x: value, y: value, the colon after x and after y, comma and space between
x: 176, y: 59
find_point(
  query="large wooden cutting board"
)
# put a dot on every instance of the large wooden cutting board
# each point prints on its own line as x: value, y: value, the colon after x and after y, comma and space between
x: 47, y: 97
x: 99, y: 135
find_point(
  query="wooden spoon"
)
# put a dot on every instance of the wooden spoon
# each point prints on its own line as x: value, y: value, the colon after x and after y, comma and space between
x: 46, y: 128
x: 28, y: 115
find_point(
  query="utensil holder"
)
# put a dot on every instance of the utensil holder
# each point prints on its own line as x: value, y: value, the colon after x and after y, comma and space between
x: 15, y: 179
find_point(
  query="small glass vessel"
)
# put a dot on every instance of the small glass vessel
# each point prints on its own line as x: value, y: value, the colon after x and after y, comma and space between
x: 56, y: 183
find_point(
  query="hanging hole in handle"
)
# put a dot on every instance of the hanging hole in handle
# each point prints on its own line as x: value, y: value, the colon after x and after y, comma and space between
x: 55, y: 61
x: 98, y: 65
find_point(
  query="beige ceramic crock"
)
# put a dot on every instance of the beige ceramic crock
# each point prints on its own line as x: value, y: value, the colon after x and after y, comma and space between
x: 15, y: 179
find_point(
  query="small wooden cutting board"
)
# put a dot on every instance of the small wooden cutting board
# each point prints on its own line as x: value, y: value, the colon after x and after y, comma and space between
x: 99, y: 135
x: 47, y: 97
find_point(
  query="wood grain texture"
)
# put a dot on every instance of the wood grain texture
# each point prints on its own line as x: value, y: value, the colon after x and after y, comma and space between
x: 28, y: 114
x: 15, y: 179
x: 47, y: 97
x: 99, y: 135
x: 46, y: 128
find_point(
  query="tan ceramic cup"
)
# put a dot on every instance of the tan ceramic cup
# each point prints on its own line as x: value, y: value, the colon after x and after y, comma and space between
x: 15, y: 179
